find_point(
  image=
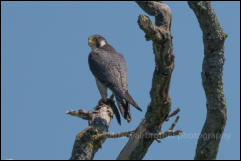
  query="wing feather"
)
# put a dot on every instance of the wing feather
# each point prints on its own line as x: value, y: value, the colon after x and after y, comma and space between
x: 109, y: 68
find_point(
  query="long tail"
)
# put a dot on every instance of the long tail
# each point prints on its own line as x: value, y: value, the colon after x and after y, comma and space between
x: 114, y: 109
x: 124, y: 108
x: 123, y: 102
x: 131, y: 101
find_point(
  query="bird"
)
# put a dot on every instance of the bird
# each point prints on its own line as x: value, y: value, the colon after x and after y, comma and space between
x: 110, y: 72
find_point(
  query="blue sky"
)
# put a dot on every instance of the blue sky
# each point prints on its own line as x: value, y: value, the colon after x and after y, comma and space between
x: 45, y: 73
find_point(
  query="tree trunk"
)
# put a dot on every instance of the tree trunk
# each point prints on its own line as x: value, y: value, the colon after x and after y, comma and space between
x: 212, y: 72
x: 160, y: 105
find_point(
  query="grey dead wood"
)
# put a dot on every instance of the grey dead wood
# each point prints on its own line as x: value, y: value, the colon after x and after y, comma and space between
x: 160, y: 105
x: 212, y: 73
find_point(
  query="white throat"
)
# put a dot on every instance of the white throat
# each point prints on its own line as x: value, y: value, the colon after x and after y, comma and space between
x: 102, y: 43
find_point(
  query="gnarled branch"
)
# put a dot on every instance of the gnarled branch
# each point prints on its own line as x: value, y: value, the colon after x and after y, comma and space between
x: 160, y: 105
x: 89, y: 140
x: 212, y: 72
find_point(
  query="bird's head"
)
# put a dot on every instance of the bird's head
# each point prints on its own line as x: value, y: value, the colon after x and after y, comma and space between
x: 96, y: 41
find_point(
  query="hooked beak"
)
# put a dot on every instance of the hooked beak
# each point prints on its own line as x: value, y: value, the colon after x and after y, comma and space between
x: 91, y: 42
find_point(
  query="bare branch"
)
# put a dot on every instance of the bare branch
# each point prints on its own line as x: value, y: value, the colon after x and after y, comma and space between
x: 170, y: 133
x: 174, y: 123
x: 160, y: 105
x: 170, y: 130
x: 122, y: 134
x: 174, y: 113
x: 152, y: 32
x: 86, y: 115
x: 88, y: 141
x: 161, y: 11
x: 212, y: 72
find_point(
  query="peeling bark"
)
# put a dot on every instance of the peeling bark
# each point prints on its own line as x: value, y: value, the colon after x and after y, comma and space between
x: 212, y: 72
x: 89, y: 140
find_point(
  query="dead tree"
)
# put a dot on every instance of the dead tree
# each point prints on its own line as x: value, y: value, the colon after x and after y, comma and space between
x: 212, y: 73
x: 150, y: 129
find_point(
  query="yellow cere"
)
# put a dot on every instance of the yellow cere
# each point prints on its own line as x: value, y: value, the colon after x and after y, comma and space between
x: 91, y: 41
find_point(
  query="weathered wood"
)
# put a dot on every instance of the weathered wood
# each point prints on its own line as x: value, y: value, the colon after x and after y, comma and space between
x: 89, y: 140
x: 160, y: 105
x: 212, y: 72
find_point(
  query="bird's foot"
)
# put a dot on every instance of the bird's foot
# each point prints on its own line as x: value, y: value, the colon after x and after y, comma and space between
x: 102, y: 101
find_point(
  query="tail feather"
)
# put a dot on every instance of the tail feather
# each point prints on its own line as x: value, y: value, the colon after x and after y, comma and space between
x: 131, y: 101
x: 124, y: 100
x: 116, y: 112
x: 124, y: 108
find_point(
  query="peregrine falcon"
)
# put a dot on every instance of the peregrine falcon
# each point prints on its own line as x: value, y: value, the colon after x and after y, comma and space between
x: 110, y: 71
